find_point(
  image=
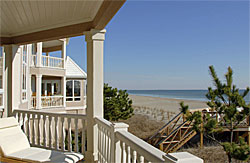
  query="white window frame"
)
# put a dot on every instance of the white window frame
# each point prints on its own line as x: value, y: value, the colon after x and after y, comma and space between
x: 3, y: 78
x: 73, y: 97
x: 24, y: 64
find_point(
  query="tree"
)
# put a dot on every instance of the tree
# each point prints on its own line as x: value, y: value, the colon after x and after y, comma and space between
x: 227, y: 101
x: 117, y: 104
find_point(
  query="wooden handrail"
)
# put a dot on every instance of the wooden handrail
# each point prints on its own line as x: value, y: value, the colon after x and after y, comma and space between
x: 165, y: 126
x: 174, y: 131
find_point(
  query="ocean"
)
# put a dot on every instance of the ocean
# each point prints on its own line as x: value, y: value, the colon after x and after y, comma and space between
x: 199, y: 95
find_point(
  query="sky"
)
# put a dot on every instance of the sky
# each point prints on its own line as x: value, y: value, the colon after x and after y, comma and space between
x: 169, y: 45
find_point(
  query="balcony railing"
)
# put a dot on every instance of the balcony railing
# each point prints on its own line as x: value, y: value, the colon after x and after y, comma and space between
x: 48, y: 61
x: 48, y: 101
x: 52, y: 101
x: 54, y: 130
x: 115, y: 144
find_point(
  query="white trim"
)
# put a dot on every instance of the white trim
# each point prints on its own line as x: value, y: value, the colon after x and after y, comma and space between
x: 26, y: 74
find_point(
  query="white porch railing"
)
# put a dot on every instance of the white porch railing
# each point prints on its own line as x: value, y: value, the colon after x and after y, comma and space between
x: 52, y: 101
x: 54, y: 130
x: 116, y: 144
x: 48, y: 61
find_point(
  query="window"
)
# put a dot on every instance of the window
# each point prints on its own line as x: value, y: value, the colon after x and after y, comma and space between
x: 24, y: 73
x: 73, y: 90
x: 1, y: 75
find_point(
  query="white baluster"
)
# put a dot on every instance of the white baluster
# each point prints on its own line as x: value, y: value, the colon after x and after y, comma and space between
x: 123, y: 152
x: 141, y: 159
x: 104, y: 145
x: 24, y: 126
x: 33, y: 129
x: 134, y: 160
x: 128, y: 154
x: 69, y: 135
x: 56, y: 132
x: 99, y: 141
x: 76, y: 135
x: 63, y: 136
x: 109, y: 146
x: 39, y: 130
x: 50, y: 132
x: 44, y: 131
x: 83, y: 136
x: 28, y: 126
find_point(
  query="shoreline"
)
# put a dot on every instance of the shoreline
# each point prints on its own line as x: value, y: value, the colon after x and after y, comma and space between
x: 168, y: 98
x: 165, y: 104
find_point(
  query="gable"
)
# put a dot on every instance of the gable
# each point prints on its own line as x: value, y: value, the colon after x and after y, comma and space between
x: 73, y: 70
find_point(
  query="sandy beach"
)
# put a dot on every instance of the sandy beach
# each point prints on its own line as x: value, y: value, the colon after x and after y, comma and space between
x: 165, y: 104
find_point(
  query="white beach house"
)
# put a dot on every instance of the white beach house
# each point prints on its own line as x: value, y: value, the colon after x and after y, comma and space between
x: 31, y: 81
x: 55, y: 83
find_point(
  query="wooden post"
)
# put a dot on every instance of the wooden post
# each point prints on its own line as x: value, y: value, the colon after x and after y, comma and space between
x: 201, y: 133
x: 161, y: 147
x: 248, y: 138
x: 236, y: 136
x: 248, y: 120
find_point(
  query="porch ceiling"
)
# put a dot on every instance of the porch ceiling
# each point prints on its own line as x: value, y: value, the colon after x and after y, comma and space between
x: 26, y: 21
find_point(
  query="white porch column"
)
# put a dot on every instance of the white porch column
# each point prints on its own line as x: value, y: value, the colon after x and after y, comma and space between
x: 64, y: 53
x: 64, y: 90
x: 10, y: 53
x: 38, y: 91
x: 95, y: 40
x: 39, y: 54
x: 29, y: 89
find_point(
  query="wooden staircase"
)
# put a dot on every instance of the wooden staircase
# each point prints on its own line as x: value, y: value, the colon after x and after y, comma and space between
x: 178, y: 131
x: 173, y: 135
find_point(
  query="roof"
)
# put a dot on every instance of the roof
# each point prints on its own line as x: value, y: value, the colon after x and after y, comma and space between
x: 73, y: 70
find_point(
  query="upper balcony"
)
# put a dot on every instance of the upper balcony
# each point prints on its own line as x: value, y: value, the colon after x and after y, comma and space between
x: 49, y: 54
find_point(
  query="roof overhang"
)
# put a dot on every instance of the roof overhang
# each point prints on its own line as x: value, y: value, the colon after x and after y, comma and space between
x: 24, y: 22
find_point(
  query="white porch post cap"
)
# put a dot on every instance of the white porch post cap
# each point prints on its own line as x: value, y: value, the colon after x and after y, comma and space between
x: 95, y: 34
x: 120, y: 126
